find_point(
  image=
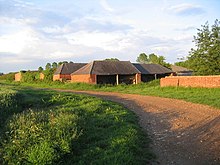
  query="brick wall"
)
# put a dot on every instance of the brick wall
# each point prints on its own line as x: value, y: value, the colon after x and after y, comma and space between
x: 41, y: 76
x: 56, y: 77
x: 18, y: 76
x: 61, y: 76
x: 86, y: 78
x: 191, y: 81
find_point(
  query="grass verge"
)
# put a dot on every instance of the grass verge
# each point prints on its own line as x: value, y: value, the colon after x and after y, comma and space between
x: 207, y: 96
x: 48, y: 127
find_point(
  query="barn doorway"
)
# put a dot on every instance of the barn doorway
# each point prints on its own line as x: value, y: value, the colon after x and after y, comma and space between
x: 127, y: 79
x: 106, y: 79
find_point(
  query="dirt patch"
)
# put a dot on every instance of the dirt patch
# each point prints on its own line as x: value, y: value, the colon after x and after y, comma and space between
x: 182, y: 133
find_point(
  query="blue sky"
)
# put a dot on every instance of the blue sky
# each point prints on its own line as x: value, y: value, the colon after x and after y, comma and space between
x: 34, y: 32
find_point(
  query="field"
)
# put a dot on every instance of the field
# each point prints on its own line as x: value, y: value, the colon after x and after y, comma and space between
x: 47, y: 127
x: 207, y: 96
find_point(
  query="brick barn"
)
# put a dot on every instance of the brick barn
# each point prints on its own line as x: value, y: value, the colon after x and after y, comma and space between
x: 64, y: 71
x: 181, y: 71
x: 107, y: 72
x: 151, y: 72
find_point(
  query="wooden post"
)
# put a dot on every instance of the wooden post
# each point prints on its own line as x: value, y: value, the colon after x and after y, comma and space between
x: 117, y: 79
x: 136, y: 78
x: 155, y: 76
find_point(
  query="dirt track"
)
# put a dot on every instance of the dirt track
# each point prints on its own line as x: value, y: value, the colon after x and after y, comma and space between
x: 183, y: 133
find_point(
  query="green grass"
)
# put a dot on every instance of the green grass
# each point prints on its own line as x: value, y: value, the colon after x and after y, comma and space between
x: 48, y: 127
x: 208, y: 96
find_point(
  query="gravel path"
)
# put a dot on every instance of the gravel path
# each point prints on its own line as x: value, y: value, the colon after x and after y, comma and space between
x: 182, y: 133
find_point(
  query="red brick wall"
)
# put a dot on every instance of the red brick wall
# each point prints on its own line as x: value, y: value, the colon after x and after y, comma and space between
x: 18, y: 76
x: 191, y: 81
x: 61, y: 76
x: 41, y: 76
x: 86, y: 78
x: 56, y: 77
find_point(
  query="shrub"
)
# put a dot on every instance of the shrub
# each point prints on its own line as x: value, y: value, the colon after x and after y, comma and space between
x: 8, y: 77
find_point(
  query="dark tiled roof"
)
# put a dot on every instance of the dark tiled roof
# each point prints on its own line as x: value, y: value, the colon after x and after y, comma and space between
x: 68, y: 68
x: 152, y: 68
x: 108, y: 68
x: 179, y: 69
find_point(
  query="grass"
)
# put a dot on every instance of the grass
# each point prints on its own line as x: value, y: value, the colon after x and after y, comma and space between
x: 48, y: 127
x: 207, y: 96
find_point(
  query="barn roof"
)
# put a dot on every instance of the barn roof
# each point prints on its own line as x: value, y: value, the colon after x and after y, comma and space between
x: 152, y: 68
x: 68, y: 68
x: 176, y: 68
x: 108, y: 68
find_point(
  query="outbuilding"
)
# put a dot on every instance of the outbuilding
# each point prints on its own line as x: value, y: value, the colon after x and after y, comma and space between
x: 107, y: 72
x: 64, y: 71
x: 151, y: 72
x: 181, y: 71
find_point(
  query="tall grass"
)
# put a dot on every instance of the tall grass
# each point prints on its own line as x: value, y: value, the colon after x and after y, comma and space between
x: 64, y: 128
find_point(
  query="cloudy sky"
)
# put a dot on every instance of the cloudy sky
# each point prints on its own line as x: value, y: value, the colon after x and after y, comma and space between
x: 34, y: 32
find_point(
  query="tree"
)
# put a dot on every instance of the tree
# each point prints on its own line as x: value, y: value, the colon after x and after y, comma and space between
x: 142, y: 58
x: 54, y: 65
x: 40, y: 69
x: 152, y: 59
x: 48, y: 66
x: 205, y: 58
x: 184, y: 64
x: 111, y: 59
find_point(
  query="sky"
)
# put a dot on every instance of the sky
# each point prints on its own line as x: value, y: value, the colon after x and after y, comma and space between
x: 35, y: 32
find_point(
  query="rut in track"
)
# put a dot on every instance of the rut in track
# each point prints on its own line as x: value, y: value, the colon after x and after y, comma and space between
x: 182, y: 133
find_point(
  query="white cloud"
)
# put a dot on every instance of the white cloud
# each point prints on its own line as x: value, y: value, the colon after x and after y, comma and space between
x: 60, y: 55
x: 17, y: 42
x: 186, y: 9
x: 17, y: 21
x: 114, y: 41
x: 106, y: 6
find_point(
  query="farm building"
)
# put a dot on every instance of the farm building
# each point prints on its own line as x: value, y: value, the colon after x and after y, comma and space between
x: 64, y: 71
x: 181, y: 71
x: 107, y: 72
x: 150, y: 72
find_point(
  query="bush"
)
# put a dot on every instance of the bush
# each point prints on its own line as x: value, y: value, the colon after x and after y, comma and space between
x: 8, y: 77
x: 39, y: 136
x: 29, y: 76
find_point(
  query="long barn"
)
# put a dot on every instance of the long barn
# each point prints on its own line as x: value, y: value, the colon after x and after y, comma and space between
x: 107, y: 72
x: 151, y: 72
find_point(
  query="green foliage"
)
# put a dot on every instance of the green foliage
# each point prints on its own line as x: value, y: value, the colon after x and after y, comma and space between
x: 7, y: 99
x: 48, y: 75
x: 205, y: 58
x: 61, y: 128
x: 54, y: 65
x: 143, y: 58
x: 111, y: 59
x: 184, y: 64
x: 30, y: 76
x: 152, y: 59
x: 48, y: 66
x: 40, y: 69
x: 8, y: 77
x: 39, y: 136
